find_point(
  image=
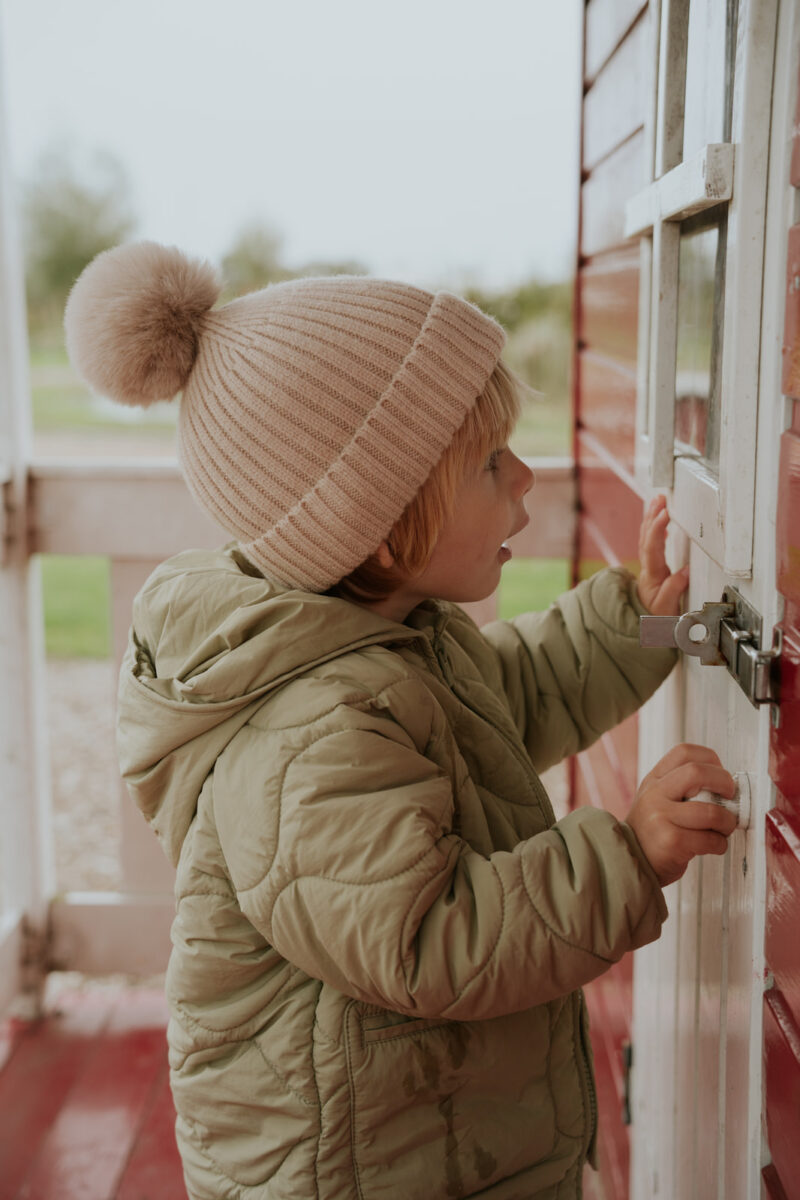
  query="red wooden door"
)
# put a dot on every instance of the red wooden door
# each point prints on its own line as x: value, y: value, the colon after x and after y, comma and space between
x: 782, y: 948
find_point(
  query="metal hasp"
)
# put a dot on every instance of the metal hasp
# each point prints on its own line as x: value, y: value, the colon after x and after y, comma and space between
x: 725, y: 632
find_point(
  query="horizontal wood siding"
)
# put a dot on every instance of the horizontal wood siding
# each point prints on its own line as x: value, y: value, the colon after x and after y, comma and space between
x: 610, y: 306
x: 603, y: 196
x: 616, y: 85
x: 607, y: 411
x: 607, y: 22
x: 615, y: 104
x: 610, y: 513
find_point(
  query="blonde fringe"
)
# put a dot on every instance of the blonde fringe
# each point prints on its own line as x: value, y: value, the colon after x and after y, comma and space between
x: 487, y: 427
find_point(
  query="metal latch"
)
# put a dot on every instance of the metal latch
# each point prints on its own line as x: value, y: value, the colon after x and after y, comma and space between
x: 723, y: 633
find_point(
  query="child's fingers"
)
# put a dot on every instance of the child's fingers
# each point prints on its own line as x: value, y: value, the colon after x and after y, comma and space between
x: 702, y: 815
x: 704, y: 842
x: 683, y: 753
x: 652, y: 545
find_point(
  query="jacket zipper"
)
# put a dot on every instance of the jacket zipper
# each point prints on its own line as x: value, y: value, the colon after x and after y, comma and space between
x: 583, y: 1033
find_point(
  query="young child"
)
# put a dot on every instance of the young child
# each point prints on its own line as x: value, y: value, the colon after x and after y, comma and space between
x: 381, y: 931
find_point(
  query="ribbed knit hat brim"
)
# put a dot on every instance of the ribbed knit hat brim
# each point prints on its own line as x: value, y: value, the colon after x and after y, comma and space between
x: 318, y: 408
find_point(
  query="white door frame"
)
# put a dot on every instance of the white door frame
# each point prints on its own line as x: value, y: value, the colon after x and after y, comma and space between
x: 743, y: 504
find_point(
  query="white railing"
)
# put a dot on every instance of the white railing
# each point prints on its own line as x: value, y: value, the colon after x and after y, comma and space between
x: 138, y: 513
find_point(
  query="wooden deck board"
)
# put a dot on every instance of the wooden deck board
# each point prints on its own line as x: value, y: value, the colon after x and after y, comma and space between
x: 85, y: 1107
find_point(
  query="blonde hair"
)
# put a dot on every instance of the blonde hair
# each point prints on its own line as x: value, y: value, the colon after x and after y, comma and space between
x: 413, y: 537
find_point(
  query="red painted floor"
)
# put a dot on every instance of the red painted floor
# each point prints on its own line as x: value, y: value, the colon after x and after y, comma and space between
x: 85, y: 1106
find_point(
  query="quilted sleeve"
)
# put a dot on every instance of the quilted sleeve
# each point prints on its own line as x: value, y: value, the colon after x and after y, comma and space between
x: 340, y: 844
x: 576, y: 670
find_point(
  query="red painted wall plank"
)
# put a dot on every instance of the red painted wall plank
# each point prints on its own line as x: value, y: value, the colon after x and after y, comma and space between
x: 782, y: 946
x: 795, y: 165
x: 791, y: 320
x: 610, y: 511
x: 787, y: 530
x: 771, y: 1187
x: 785, y: 740
x: 784, y: 756
x: 609, y: 309
x: 608, y: 408
x: 607, y: 774
x: 609, y: 1030
x: 608, y: 504
x: 782, y: 1076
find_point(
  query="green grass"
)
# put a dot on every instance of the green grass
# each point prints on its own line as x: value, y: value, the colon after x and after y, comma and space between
x: 77, y: 599
x: 60, y: 401
x: 532, y: 584
x: 77, y: 606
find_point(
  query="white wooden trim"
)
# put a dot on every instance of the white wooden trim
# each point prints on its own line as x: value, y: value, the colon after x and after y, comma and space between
x: 670, y: 85
x: 143, y: 511
x: 655, y: 410
x: 699, y: 1131
x: 128, y: 509
x: 716, y: 175
x: 701, y: 182
x: 744, y: 274
x: 663, y: 351
x: 695, y: 505
x: 102, y: 933
x: 25, y: 825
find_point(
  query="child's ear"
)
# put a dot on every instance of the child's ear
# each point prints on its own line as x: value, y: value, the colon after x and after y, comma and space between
x: 384, y: 556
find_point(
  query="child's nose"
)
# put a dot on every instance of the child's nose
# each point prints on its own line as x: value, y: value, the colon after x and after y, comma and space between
x: 524, y: 478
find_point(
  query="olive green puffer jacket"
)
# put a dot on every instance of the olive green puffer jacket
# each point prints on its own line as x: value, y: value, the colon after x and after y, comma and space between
x: 380, y: 931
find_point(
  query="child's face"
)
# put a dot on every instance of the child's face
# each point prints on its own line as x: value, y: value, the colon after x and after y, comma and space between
x: 471, y: 550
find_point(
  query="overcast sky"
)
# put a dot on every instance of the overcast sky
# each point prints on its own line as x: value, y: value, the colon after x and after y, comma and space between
x: 434, y: 140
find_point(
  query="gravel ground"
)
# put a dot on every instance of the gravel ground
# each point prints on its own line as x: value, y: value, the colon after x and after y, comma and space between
x: 85, y: 779
x: 86, y: 788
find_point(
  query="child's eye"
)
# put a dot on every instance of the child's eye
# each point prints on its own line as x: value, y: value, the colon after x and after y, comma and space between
x: 493, y: 461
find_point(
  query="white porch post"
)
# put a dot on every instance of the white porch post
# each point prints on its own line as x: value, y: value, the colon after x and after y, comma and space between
x: 26, y: 871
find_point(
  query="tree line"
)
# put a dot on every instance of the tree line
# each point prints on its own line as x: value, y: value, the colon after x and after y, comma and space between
x: 71, y: 215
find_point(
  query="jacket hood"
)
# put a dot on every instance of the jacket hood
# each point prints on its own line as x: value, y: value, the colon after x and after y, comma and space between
x: 210, y: 638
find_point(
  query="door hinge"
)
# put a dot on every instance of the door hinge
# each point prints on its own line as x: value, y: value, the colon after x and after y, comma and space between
x: 726, y: 633
x: 15, y: 514
x: 6, y: 513
x: 34, y: 963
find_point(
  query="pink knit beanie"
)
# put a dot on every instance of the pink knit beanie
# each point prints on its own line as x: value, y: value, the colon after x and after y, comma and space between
x: 311, y: 412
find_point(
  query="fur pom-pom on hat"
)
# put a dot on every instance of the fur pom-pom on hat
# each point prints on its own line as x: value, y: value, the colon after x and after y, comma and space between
x: 133, y: 321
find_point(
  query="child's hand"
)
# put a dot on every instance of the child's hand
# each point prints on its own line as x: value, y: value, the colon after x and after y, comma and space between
x: 659, y: 590
x: 670, y: 832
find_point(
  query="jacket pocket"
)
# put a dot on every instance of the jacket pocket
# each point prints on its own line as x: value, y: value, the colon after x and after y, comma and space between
x: 381, y: 1025
x: 448, y: 1108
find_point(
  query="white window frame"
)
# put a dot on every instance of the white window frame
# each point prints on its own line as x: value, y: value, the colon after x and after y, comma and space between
x: 715, y: 511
